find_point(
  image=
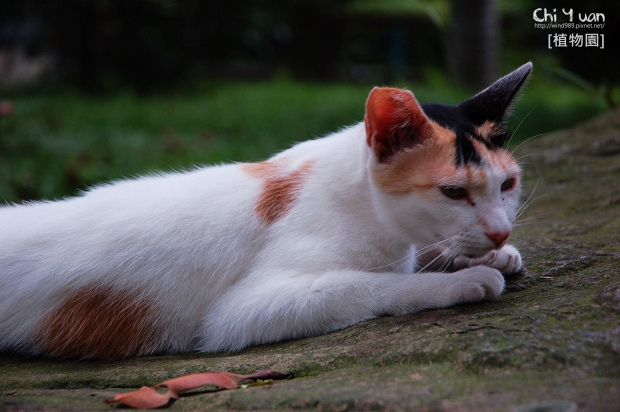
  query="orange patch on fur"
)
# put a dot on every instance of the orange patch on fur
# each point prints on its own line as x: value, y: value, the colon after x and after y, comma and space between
x: 99, y: 323
x: 260, y: 169
x: 419, y: 169
x: 280, y: 188
x: 487, y: 129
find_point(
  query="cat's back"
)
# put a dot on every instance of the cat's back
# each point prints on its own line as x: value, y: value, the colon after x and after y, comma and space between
x: 156, y: 202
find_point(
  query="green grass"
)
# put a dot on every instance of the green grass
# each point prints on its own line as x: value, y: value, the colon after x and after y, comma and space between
x: 56, y: 144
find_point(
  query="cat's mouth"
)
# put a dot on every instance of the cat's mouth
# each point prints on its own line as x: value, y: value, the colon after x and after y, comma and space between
x: 475, y: 254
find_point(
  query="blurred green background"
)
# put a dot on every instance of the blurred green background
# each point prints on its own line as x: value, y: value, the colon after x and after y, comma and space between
x: 99, y: 90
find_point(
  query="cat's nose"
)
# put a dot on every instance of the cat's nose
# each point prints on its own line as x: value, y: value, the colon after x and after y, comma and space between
x: 498, y: 238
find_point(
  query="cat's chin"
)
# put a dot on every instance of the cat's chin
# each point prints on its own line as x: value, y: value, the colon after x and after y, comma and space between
x: 477, y: 253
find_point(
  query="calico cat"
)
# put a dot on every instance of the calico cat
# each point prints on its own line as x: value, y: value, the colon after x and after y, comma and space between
x: 408, y: 210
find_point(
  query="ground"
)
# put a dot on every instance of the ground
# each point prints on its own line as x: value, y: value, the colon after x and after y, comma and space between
x: 550, y: 343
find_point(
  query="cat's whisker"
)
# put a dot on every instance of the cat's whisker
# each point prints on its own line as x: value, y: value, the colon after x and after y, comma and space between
x: 442, y: 255
x: 519, y: 125
x: 418, y: 252
x: 522, y: 231
x: 526, y: 221
x: 446, y: 255
x: 522, y: 226
x: 434, y: 245
x: 524, y: 156
x: 404, y: 260
x: 518, y: 222
x: 452, y: 254
x: 525, y: 141
x: 527, y: 201
x: 429, y: 264
x: 525, y: 206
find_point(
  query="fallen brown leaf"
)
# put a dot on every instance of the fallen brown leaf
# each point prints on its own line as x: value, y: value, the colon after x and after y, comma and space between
x: 147, y: 397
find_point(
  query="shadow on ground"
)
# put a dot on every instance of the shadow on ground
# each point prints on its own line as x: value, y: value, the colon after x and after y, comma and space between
x: 551, y: 343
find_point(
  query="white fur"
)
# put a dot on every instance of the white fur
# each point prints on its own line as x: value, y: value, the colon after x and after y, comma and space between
x: 221, y: 278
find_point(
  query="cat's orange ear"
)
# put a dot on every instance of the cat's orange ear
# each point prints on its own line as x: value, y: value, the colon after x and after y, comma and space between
x: 394, y: 122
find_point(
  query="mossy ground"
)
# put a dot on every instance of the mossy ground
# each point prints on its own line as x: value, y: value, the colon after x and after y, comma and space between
x: 551, y: 342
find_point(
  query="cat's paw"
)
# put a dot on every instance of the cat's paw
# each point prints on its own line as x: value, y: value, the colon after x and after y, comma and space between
x: 477, y: 284
x: 507, y: 260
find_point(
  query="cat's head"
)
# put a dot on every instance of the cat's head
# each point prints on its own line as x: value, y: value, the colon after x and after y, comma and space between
x: 442, y: 173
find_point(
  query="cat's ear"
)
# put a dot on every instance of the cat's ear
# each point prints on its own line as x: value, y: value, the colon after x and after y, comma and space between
x: 394, y: 122
x: 493, y: 104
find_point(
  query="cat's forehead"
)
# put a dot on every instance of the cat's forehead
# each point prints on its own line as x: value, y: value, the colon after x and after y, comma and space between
x: 469, y: 152
x: 467, y: 135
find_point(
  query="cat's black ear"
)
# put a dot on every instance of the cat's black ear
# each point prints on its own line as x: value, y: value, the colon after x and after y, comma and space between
x: 493, y: 103
x: 394, y: 122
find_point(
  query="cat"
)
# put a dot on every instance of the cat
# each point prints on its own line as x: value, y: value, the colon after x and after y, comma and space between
x: 410, y: 209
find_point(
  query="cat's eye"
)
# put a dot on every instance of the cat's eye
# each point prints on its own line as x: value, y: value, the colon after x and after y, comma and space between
x: 454, y: 192
x: 508, y: 184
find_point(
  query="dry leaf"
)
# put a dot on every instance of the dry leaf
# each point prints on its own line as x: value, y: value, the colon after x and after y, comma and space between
x: 147, y: 397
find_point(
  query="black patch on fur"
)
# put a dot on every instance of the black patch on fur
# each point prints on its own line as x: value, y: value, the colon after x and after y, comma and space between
x: 451, y: 117
x: 465, y: 151
x: 492, y: 104
x: 499, y: 140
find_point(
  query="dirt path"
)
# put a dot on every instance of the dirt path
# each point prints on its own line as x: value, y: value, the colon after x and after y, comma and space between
x: 552, y: 341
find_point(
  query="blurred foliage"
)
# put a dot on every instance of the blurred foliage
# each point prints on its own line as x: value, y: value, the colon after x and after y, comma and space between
x: 153, y: 45
x: 437, y: 10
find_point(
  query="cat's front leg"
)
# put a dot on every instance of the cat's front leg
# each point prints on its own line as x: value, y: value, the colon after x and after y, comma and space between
x: 507, y: 260
x: 289, y: 305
